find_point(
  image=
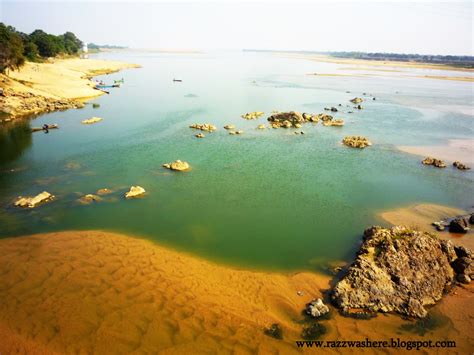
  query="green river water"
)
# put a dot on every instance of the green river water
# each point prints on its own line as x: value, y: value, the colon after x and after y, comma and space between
x: 267, y: 199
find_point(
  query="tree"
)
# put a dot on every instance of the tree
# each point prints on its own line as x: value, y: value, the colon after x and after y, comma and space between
x: 11, y: 48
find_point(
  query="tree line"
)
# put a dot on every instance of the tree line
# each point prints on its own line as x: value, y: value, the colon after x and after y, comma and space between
x: 16, y: 47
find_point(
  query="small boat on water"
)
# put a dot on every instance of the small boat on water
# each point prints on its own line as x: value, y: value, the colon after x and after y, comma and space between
x: 177, y: 80
x: 107, y: 86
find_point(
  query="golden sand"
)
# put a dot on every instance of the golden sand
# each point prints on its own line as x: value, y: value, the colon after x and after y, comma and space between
x: 98, y: 292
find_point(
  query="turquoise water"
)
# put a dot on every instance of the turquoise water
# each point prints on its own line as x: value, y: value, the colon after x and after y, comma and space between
x: 268, y: 199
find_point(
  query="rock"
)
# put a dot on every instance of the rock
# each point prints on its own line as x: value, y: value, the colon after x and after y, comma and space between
x: 464, y: 279
x: 135, y: 191
x: 435, y: 162
x: 199, y: 135
x: 324, y: 117
x: 300, y: 293
x: 397, y: 270
x: 463, y: 265
x: 359, y: 107
x: 471, y: 218
x: 356, y: 142
x: 336, y: 123
x: 232, y: 133
x: 239, y: 132
x: 333, y: 109
x: 439, y: 226
x: 459, y: 225
x: 92, y: 120
x: 460, y: 165
x: 297, y: 125
x: 314, y: 331
x: 316, y: 308
x: 32, y: 202
x: 95, y: 105
x: 177, y: 165
x: 103, y: 191
x: 274, y: 331
x: 261, y: 126
x: 204, y: 127
x: 89, y: 198
x: 286, y: 119
x: 229, y: 126
x: 356, y: 100
x: 307, y: 116
x: 252, y: 115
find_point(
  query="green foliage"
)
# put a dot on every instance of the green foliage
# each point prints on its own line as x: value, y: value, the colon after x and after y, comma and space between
x: 11, y: 48
x: 16, y: 47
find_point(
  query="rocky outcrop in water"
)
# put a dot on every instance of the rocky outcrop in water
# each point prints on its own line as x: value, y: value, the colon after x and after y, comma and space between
x: 204, y: 127
x: 336, y: 123
x: 33, y: 201
x: 459, y: 225
x: 252, y: 115
x: 435, y: 162
x: 356, y: 142
x: 177, y: 165
x: 460, y: 166
x: 135, y: 191
x: 400, y: 270
x: 91, y: 120
x: 286, y: 119
x: 356, y: 100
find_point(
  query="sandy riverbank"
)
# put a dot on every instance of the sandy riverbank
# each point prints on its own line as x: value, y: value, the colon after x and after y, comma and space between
x: 456, y: 150
x: 40, y: 87
x: 372, y: 63
x: 93, y: 291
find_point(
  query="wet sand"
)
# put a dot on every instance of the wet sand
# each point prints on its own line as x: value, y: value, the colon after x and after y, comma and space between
x: 93, y: 291
x: 456, y: 149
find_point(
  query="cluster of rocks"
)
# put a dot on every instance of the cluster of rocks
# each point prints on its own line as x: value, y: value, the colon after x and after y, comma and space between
x: 177, y: 165
x: 441, y: 164
x: 33, y: 201
x: 401, y: 270
x: 286, y: 119
x: 199, y: 135
x: 356, y: 142
x: 91, y: 120
x: 253, y: 115
x: 204, y: 127
x: 435, y: 162
x: 456, y: 225
x: 232, y: 133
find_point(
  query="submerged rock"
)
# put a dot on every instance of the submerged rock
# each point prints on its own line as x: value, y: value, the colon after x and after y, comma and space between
x: 460, y: 165
x: 92, y: 120
x: 229, y: 126
x: 89, y: 198
x: 274, y: 331
x: 397, y: 270
x: 261, y: 126
x: 336, y: 123
x: 435, y: 162
x: 253, y: 115
x: 316, y: 308
x: 356, y: 142
x: 31, y: 202
x: 177, y: 165
x: 135, y: 191
x: 104, y: 191
x: 199, y: 135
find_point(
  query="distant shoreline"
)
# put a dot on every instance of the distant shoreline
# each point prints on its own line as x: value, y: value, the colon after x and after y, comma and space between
x: 61, y: 84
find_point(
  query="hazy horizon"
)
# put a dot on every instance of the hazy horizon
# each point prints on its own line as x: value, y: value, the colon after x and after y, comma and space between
x: 435, y: 28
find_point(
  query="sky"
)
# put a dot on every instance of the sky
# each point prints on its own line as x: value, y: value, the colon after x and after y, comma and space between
x: 423, y: 27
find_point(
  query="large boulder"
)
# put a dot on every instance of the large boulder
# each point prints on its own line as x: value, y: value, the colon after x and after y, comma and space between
x: 399, y: 270
x: 459, y: 225
x: 356, y: 142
